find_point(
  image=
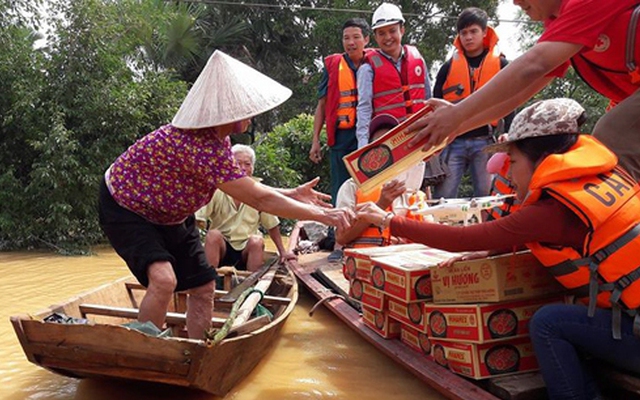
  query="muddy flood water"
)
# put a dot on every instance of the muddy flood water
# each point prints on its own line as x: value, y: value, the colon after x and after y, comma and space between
x: 315, y: 358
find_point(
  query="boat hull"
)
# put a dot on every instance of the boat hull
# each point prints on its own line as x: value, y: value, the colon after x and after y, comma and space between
x: 106, y: 349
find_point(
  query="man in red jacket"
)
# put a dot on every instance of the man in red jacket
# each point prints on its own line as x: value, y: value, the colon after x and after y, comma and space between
x: 337, y: 101
x: 600, y: 38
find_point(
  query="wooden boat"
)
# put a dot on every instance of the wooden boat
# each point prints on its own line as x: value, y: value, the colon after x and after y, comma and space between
x: 325, y: 281
x: 104, y: 348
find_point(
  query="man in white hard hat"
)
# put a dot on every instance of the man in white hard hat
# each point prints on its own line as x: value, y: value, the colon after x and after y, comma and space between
x: 395, y: 78
x: 150, y: 193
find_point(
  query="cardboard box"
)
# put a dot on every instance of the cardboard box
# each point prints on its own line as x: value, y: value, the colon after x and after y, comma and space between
x: 406, y: 276
x: 367, y: 295
x: 388, y: 156
x: 501, y: 278
x: 410, y: 314
x: 482, y: 323
x: 381, y: 323
x: 486, y: 360
x: 357, y: 262
x: 418, y: 341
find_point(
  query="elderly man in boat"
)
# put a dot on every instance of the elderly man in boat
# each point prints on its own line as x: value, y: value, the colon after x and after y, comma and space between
x: 150, y: 193
x: 233, y: 237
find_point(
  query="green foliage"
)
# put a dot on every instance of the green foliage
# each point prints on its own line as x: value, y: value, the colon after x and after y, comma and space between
x: 69, y: 109
x: 282, y: 157
x: 112, y: 71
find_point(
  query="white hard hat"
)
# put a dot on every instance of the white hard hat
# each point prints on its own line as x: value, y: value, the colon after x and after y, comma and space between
x: 226, y: 91
x: 386, y: 14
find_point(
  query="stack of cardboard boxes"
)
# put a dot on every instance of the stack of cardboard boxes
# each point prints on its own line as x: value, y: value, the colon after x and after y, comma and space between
x: 472, y: 317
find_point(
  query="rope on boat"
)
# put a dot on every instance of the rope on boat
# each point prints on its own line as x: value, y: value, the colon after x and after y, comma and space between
x: 324, y: 300
x: 213, y: 336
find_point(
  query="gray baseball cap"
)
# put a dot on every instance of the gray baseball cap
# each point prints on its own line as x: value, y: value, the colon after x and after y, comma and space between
x: 544, y: 118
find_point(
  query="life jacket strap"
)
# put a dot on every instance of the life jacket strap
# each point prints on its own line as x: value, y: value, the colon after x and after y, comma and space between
x: 616, y: 321
x: 593, y: 288
x: 458, y: 89
x: 636, y: 324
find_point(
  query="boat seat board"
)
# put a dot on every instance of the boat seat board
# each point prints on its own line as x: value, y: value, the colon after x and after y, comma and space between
x: 267, y: 300
x: 132, y: 313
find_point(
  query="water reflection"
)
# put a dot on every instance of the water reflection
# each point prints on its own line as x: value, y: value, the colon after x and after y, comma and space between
x: 315, y: 358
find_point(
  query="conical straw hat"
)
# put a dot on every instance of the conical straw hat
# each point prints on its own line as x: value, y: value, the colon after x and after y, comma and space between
x: 228, y: 91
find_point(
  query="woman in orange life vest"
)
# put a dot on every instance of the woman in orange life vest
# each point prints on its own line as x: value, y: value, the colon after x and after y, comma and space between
x: 580, y: 216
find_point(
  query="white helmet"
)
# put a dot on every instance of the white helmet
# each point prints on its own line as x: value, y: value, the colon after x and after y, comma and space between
x: 386, y: 14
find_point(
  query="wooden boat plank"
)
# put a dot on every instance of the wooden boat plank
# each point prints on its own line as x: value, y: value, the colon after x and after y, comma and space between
x: 117, y: 338
x: 105, y: 359
x: 172, y: 318
x: 444, y: 381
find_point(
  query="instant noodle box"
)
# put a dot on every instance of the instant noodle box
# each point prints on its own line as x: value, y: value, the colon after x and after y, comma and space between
x: 486, y: 360
x: 501, y: 278
x: 367, y: 295
x: 357, y: 262
x: 417, y: 341
x: 388, y: 156
x: 381, y: 323
x: 407, y: 276
x: 481, y: 323
x: 411, y: 314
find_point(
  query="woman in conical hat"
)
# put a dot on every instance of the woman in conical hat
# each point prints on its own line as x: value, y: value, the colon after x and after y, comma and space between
x: 151, y: 191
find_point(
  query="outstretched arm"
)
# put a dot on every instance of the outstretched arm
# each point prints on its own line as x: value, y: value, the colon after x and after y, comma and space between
x: 513, y: 85
x: 266, y: 198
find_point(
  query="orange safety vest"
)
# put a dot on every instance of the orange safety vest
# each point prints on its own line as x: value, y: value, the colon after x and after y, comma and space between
x: 501, y: 185
x: 612, y: 66
x: 606, y: 271
x: 461, y: 81
x: 342, y: 96
x: 398, y: 93
x: 371, y: 236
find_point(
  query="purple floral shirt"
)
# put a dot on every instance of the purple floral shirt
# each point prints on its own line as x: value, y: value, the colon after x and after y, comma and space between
x: 171, y: 173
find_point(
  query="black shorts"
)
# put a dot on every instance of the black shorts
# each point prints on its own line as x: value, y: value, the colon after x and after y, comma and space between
x: 233, y: 257
x: 141, y: 243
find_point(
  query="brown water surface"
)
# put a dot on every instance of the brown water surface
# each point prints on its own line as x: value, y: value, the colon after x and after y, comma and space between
x: 315, y: 358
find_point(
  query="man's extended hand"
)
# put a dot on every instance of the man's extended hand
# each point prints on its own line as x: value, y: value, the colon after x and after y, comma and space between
x: 307, y: 194
x: 341, y: 218
x: 438, y: 126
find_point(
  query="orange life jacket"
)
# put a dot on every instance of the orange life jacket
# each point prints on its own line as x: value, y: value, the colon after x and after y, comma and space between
x: 612, y: 67
x: 398, y: 93
x: 461, y: 82
x: 342, y: 96
x: 606, y: 270
x: 371, y: 236
x: 501, y: 185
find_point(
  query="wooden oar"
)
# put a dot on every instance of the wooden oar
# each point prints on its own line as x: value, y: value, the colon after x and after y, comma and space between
x: 244, y: 312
